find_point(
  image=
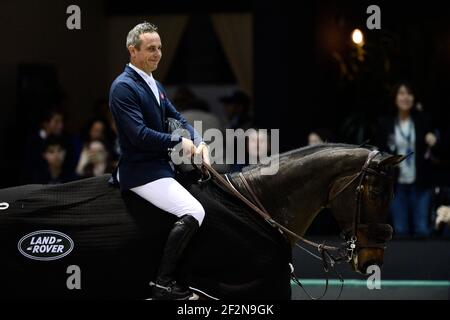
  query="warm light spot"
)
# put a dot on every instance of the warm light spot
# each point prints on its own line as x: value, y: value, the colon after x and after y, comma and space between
x: 358, y: 37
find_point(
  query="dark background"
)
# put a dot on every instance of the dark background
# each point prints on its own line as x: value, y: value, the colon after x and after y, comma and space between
x: 298, y: 83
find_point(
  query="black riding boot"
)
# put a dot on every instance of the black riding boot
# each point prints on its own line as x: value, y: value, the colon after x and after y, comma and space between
x: 166, y: 288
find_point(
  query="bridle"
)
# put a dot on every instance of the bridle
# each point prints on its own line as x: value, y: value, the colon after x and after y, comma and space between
x: 352, y: 232
x: 345, y: 252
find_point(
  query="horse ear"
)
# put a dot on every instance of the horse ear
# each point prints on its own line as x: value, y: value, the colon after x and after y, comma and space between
x: 392, y: 160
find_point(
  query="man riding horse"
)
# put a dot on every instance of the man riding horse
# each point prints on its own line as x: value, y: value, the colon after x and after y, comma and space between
x: 139, y: 105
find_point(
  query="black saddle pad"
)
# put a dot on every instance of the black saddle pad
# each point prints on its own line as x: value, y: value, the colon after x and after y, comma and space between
x: 117, y: 240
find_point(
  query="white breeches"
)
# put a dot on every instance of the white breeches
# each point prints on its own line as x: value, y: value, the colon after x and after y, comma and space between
x: 169, y: 195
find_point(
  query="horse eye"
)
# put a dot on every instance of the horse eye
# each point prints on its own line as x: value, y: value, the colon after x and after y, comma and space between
x: 375, y: 194
x: 376, y: 191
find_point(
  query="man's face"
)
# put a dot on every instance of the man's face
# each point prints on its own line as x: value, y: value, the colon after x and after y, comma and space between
x: 147, y: 56
x: 54, y: 155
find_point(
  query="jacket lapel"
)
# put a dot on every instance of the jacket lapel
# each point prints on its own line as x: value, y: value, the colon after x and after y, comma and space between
x: 159, y: 108
x: 162, y: 100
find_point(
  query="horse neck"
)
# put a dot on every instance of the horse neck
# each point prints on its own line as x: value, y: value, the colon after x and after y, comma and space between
x: 300, y: 189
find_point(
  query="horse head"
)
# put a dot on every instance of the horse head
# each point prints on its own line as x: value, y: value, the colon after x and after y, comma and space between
x: 356, y: 183
x: 362, y: 209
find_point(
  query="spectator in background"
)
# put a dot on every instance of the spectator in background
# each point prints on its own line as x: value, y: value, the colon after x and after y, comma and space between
x: 53, y: 171
x: 97, y: 157
x: 441, y: 199
x: 237, y: 109
x: 94, y: 160
x: 98, y: 129
x: 51, y: 123
x: 442, y: 217
x: 409, y: 130
x: 107, y: 127
x: 320, y: 135
x: 443, y: 220
x: 103, y: 114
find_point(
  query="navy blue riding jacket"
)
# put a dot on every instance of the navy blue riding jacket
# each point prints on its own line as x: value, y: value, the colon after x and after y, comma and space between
x: 140, y: 122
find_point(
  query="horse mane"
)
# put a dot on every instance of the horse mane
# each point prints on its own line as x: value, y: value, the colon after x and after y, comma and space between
x: 305, y: 151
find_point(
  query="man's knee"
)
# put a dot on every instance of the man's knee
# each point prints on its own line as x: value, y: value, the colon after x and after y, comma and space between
x: 198, y: 213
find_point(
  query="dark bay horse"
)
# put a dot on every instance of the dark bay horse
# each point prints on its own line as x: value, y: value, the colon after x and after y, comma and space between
x: 311, y: 178
x: 114, y: 240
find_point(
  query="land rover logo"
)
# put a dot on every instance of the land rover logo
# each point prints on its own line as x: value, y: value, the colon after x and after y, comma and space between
x: 45, y: 245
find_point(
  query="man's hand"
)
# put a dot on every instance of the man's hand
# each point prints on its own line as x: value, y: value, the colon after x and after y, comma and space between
x: 188, y: 147
x: 203, y: 151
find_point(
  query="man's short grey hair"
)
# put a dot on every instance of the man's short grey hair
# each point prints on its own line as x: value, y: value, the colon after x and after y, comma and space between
x: 133, y: 36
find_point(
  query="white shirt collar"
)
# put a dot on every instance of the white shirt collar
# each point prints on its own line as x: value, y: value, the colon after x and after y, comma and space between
x: 147, y: 77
